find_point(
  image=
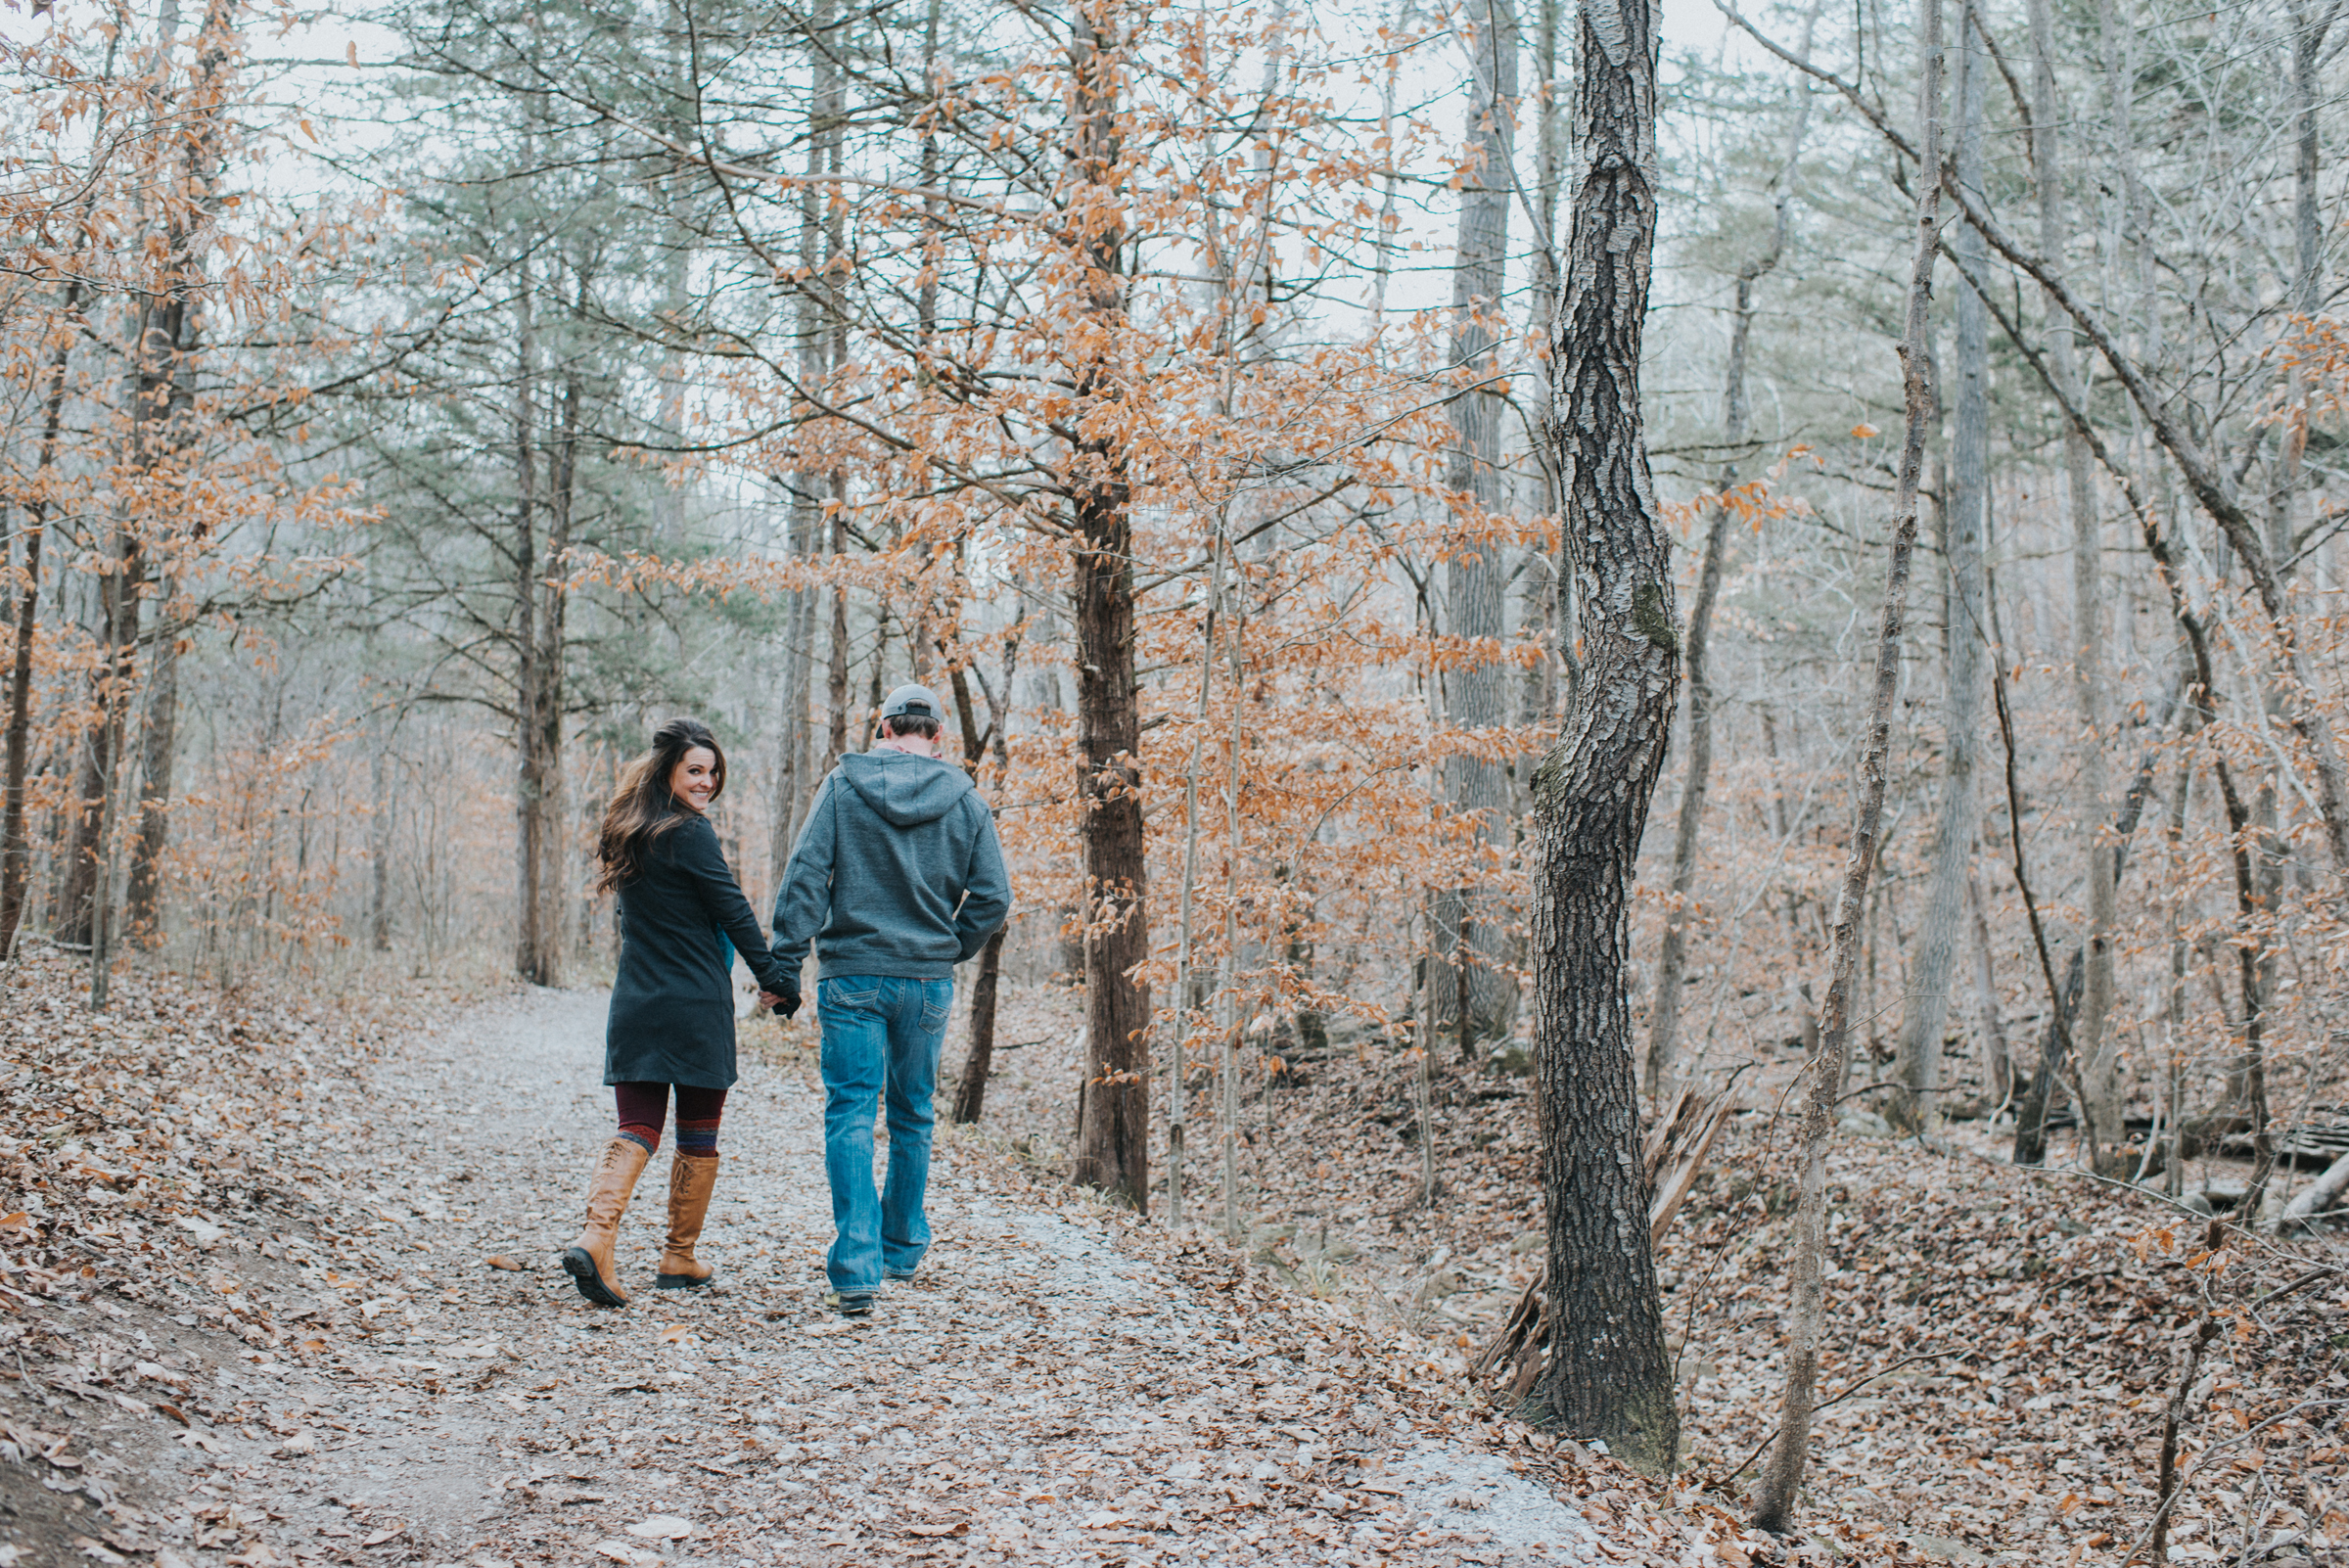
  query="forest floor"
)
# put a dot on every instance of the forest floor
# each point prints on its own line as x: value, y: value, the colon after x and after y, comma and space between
x: 280, y: 1289
x: 255, y: 1311
x: 2003, y: 1341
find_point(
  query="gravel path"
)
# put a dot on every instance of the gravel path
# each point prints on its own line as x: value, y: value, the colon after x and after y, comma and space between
x: 1041, y: 1394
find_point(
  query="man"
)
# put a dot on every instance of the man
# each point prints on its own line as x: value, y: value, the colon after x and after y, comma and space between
x: 897, y: 878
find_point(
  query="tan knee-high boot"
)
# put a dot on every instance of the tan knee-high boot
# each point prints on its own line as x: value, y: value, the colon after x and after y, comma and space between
x: 692, y: 1178
x: 588, y: 1259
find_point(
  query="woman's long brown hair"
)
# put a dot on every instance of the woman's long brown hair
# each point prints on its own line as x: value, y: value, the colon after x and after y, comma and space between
x: 642, y: 808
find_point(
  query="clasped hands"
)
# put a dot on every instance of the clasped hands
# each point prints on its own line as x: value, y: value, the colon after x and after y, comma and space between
x: 784, y: 1002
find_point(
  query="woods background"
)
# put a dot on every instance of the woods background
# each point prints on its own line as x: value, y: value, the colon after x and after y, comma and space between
x: 393, y: 440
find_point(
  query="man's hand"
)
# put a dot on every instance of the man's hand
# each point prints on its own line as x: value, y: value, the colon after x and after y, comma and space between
x: 785, y: 1003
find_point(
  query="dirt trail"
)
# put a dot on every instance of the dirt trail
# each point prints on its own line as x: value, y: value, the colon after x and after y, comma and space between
x: 1042, y: 1394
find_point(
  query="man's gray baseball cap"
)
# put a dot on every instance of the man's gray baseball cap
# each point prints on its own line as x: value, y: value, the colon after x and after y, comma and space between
x: 913, y: 702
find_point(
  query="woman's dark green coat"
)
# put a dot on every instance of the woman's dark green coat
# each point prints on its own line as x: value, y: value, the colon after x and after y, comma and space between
x: 673, y: 1002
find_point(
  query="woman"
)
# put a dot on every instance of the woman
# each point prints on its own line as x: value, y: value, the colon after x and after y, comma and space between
x: 671, y: 1024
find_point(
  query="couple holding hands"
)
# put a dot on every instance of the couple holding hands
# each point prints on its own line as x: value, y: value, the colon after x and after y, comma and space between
x: 895, y: 879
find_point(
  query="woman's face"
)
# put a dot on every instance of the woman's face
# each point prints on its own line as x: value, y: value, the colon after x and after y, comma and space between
x: 695, y: 778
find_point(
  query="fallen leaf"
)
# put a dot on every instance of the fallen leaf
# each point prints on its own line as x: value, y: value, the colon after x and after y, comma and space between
x: 95, y: 1551
x: 958, y: 1528
x: 498, y: 1260
x: 389, y: 1533
x: 661, y: 1527
x: 173, y: 1412
x: 621, y: 1551
x: 206, y: 1233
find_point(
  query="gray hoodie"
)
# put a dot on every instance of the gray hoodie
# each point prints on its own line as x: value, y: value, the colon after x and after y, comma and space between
x: 896, y: 872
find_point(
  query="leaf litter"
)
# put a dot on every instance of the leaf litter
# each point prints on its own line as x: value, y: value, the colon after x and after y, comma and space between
x: 362, y: 1379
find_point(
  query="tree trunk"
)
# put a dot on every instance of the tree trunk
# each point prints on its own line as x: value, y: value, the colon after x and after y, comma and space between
x: 1664, y: 1017
x: 542, y: 733
x: 172, y: 399
x: 1609, y: 1374
x: 1480, y: 998
x: 970, y: 1095
x: 1916, y: 1070
x: 1783, y: 1474
x: 143, y: 902
x: 380, y: 826
x: 15, y: 849
x: 524, y: 556
x: 1113, y: 1129
x: 2055, y: 1038
x: 155, y: 397
x: 1994, y: 1047
x: 2098, y: 1057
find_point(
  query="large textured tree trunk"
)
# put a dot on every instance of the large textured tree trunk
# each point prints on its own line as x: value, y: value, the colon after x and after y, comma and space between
x: 1480, y: 998
x: 15, y: 849
x: 1783, y: 1474
x: 1917, y: 1071
x: 1113, y: 1121
x: 1608, y: 1374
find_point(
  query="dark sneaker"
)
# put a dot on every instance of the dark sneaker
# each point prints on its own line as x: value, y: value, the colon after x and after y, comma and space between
x: 849, y: 1304
x: 897, y: 1277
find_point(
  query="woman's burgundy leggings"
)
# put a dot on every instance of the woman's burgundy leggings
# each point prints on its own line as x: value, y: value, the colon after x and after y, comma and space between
x: 643, y: 1107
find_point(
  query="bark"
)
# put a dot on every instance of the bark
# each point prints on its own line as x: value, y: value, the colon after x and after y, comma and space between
x: 156, y: 332
x: 1480, y: 999
x: 165, y: 354
x: 793, y: 783
x: 1177, y: 1099
x: 16, y: 851
x: 806, y: 483
x: 1112, y: 1132
x: 543, y: 793
x: 143, y: 899
x: 524, y: 631
x: 379, y: 892
x: 970, y: 1095
x: 1916, y: 1070
x: 1783, y: 1474
x: 1608, y: 1375
x: 1994, y: 1047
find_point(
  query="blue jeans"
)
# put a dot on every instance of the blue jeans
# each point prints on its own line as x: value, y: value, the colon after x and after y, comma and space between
x: 881, y: 1035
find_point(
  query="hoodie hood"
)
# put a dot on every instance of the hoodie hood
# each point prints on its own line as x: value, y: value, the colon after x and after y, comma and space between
x: 904, y: 789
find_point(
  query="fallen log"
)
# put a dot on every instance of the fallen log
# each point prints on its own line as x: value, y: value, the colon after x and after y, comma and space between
x: 2316, y: 1197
